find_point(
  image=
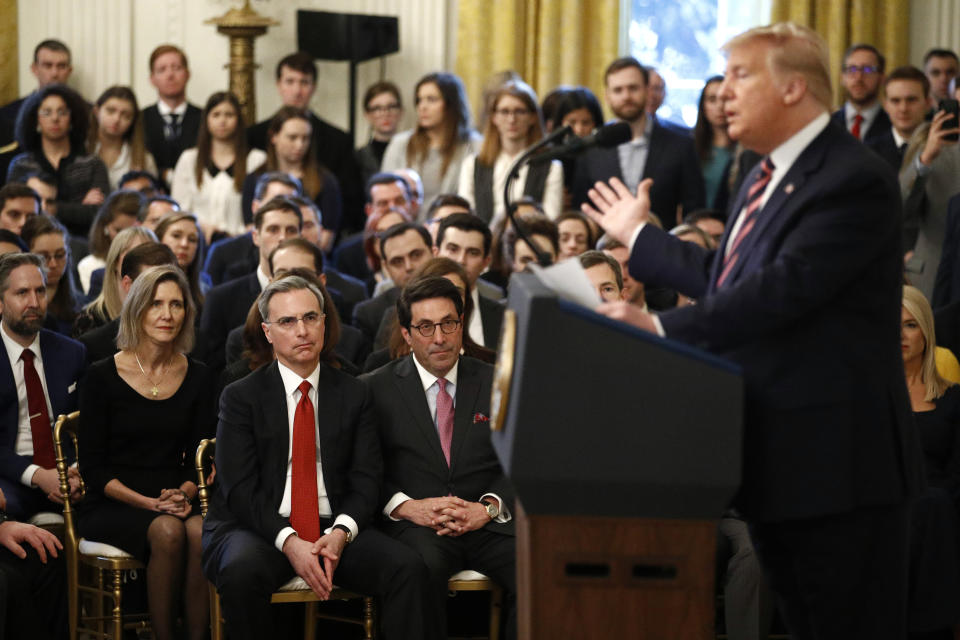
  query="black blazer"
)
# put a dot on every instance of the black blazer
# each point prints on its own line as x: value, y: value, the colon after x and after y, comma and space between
x: 811, y: 311
x: 885, y: 146
x: 349, y: 258
x: 879, y: 126
x: 946, y: 288
x: 671, y: 162
x: 412, y: 457
x: 253, y: 441
x: 101, y: 342
x: 368, y: 314
x: 231, y: 258
x: 225, y: 307
x: 166, y: 153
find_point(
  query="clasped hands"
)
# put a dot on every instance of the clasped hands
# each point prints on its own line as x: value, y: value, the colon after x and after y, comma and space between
x: 48, y: 481
x: 305, y: 558
x: 174, y: 502
x: 448, y: 516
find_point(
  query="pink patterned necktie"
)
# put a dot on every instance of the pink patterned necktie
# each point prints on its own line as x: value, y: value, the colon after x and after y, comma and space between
x: 444, y: 418
x: 754, y: 198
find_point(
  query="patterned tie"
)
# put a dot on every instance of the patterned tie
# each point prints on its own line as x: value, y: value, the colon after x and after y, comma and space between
x: 39, y: 418
x: 857, y: 119
x: 304, y: 508
x: 172, y: 129
x: 444, y: 418
x: 754, y: 197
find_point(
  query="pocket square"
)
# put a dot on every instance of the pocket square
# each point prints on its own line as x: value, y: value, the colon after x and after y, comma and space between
x: 479, y: 417
x: 72, y: 388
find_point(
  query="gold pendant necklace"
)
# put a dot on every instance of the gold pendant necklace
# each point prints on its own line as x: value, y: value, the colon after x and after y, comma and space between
x: 155, y: 389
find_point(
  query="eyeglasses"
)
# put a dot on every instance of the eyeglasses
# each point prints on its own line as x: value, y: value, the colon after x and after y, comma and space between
x: 427, y: 329
x: 866, y: 69
x: 390, y: 108
x: 516, y: 113
x: 49, y: 113
x: 310, y: 320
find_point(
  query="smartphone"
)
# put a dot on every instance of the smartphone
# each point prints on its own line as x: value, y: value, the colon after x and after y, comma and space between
x: 953, y: 108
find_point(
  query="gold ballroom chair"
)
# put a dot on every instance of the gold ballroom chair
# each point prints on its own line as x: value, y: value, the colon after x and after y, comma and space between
x: 103, y: 560
x: 296, y: 590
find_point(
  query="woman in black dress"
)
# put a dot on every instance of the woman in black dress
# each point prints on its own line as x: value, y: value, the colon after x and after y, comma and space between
x: 142, y: 413
x: 934, y: 607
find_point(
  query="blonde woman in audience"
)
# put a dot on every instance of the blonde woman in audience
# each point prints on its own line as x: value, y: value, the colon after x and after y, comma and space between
x: 106, y: 306
x: 437, y: 146
x: 208, y: 178
x: 935, y: 532
x: 116, y: 135
x: 117, y: 213
x: 515, y: 123
x: 142, y: 413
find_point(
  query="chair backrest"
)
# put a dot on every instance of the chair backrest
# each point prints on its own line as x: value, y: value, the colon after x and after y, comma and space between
x: 204, y: 464
x: 66, y: 428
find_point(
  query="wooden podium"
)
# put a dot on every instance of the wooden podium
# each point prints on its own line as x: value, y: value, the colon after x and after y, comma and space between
x: 624, y: 449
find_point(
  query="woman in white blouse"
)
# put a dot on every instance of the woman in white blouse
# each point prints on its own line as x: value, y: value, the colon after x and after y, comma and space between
x: 116, y: 135
x: 441, y: 139
x: 515, y: 123
x: 208, y: 179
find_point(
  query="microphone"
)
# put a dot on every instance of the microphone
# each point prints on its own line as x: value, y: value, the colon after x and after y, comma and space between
x: 609, y: 135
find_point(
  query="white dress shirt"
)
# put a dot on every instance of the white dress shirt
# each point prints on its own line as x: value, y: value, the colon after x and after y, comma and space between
x: 24, y: 441
x: 432, y: 390
x: 215, y: 202
x: 291, y: 384
x: 475, y: 330
x: 869, y: 116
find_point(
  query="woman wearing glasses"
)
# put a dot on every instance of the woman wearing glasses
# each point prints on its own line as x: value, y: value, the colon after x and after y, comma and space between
x: 383, y: 108
x: 514, y: 125
x: 48, y: 239
x: 52, y: 132
x: 142, y: 414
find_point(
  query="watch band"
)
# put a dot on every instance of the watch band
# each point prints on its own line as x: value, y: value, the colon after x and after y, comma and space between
x: 346, y: 530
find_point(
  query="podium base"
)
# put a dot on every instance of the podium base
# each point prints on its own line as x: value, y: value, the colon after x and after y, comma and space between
x: 594, y: 577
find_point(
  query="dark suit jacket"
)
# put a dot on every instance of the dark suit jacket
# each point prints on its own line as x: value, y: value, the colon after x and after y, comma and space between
x: 335, y: 152
x: 946, y: 288
x: 166, y: 153
x: 8, y: 121
x: 101, y: 342
x: 412, y: 458
x: 235, y: 257
x: 349, y: 258
x: 879, y: 126
x: 368, y: 314
x: 225, y: 307
x: 253, y: 440
x: 671, y: 162
x: 64, y: 362
x: 811, y: 311
x: 886, y: 147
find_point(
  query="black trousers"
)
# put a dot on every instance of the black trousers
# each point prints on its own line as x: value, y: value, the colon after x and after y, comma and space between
x: 23, y: 502
x: 246, y: 569
x: 492, y: 554
x: 841, y: 576
x: 32, y: 596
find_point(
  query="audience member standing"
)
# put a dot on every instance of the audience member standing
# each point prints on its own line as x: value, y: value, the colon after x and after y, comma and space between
x: 941, y: 66
x: 437, y: 146
x: 51, y: 65
x: 172, y: 124
x: 208, y: 179
x: 905, y: 92
x: 383, y: 108
x: 654, y: 152
x: 515, y: 123
x: 656, y: 94
x: 861, y: 114
x: 52, y: 132
x: 116, y: 135
x: 714, y: 147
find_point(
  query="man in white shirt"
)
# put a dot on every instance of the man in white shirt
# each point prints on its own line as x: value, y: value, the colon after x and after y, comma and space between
x: 39, y: 370
x: 171, y: 125
x: 861, y: 114
x: 905, y: 102
x: 298, y: 482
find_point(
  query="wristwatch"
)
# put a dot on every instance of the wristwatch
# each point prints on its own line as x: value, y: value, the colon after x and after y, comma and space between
x: 3, y: 517
x: 346, y: 530
x: 492, y: 509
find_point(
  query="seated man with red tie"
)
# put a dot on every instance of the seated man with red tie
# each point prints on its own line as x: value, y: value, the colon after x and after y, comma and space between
x: 298, y: 482
x: 39, y: 370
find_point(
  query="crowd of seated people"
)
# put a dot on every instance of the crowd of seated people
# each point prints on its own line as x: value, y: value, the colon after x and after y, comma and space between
x: 158, y: 262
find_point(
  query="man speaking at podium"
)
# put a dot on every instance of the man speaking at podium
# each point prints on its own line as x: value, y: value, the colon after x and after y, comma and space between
x: 804, y: 293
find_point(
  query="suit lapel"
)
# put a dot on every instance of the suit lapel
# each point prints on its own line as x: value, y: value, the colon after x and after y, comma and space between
x: 277, y: 421
x: 415, y: 400
x: 53, y: 375
x: 328, y: 410
x: 491, y: 317
x: 9, y: 402
x: 655, y: 149
x: 468, y: 389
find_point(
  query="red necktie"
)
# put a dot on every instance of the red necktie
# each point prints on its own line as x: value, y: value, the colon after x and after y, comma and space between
x: 444, y: 418
x: 39, y: 418
x: 754, y: 198
x: 857, y: 119
x: 304, y: 508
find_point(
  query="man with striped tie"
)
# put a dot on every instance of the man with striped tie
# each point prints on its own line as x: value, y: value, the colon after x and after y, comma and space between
x: 804, y: 293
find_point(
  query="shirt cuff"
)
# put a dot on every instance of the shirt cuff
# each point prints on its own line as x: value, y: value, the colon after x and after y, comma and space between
x: 346, y: 521
x: 633, y: 236
x: 398, y: 499
x: 658, y: 325
x: 27, y: 477
x: 504, y: 515
x: 285, y: 533
x: 922, y: 169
